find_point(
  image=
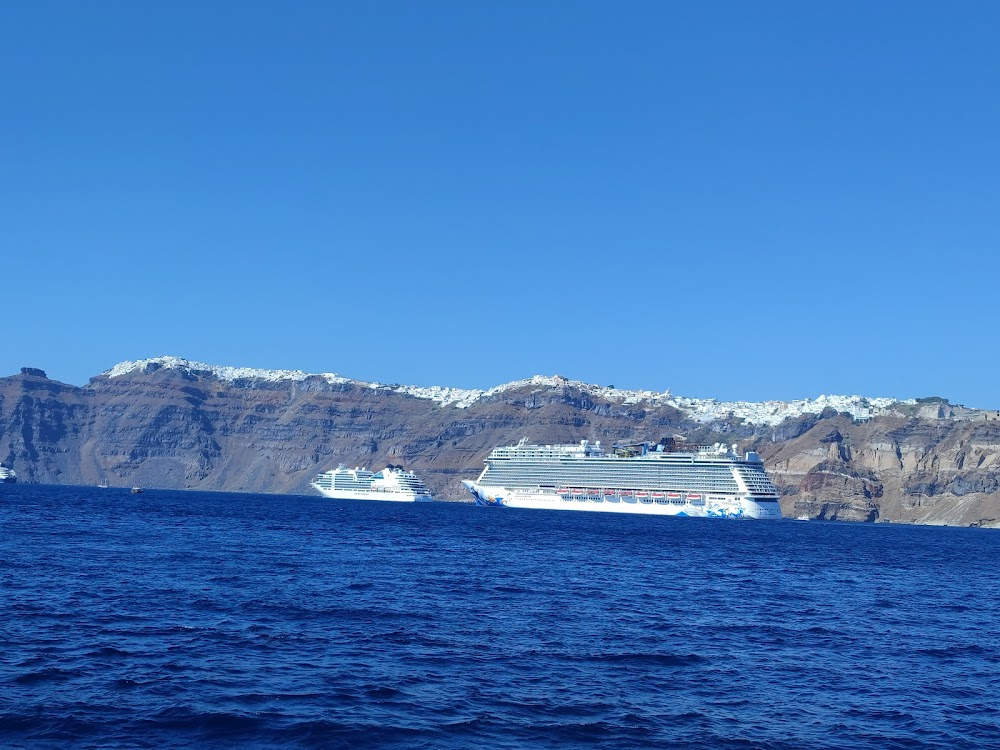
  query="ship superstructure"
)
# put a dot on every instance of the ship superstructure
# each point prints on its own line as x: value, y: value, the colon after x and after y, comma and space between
x: 7, y: 476
x: 661, y: 479
x: 392, y: 484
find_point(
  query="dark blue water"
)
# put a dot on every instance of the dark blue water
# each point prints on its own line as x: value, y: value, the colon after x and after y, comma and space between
x: 183, y: 619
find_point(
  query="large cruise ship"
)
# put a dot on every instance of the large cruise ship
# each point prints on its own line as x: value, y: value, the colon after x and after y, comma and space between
x: 661, y: 479
x: 7, y: 476
x: 391, y: 484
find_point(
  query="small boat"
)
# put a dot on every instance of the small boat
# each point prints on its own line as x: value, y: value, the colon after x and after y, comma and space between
x: 136, y: 490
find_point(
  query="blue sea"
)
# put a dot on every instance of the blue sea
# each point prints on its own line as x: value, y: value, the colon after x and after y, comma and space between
x: 191, y: 619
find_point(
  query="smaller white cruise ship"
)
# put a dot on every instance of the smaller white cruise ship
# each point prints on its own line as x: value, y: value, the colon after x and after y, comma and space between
x: 392, y: 484
x: 7, y: 476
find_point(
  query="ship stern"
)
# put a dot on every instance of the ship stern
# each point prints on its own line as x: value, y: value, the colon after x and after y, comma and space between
x: 762, y: 509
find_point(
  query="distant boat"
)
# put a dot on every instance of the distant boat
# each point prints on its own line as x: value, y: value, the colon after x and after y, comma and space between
x: 802, y: 518
x: 103, y: 485
x: 136, y: 490
x: 7, y: 476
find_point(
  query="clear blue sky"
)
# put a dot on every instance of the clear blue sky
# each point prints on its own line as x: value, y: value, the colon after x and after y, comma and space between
x: 745, y: 200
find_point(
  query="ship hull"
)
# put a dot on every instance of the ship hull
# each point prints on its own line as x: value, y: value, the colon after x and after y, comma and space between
x: 385, y: 497
x: 730, y: 508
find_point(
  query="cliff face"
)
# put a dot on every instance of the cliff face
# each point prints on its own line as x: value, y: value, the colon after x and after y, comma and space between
x: 163, y: 427
x: 41, y: 421
x: 912, y: 470
x: 171, y: 428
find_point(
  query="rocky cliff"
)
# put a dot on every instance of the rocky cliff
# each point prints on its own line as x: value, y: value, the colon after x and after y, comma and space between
x: 912, y: 469
x: 160, y: 424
